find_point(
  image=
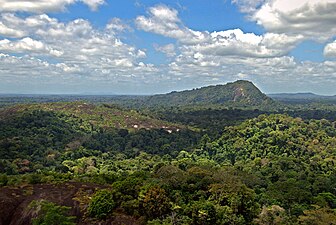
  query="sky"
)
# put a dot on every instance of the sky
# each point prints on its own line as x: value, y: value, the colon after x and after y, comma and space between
x: 150, y: 46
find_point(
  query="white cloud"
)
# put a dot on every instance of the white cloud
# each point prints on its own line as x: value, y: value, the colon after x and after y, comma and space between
x: 75, y: 52
x: 77, y: 56
x: 314, y: 19
x: 9, y: 32
x: 41, y: 6
x: 248, y: 6
x: 330, y: 50
x: 237, y: 43
x: 164, y: 21
x: 116, y: 25
x: 27, y: 45
x: 168, y: 50
x: 226, y: 55
x: 93, y: 4
x: 76, y: 37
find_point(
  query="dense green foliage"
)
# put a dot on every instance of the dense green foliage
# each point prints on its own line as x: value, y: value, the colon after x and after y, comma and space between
x: 49, y: 213
x: 295, y: 159
x: 213, y: 121
x: 34, y: 139
x: 217, y: 168
x: 101, y: 204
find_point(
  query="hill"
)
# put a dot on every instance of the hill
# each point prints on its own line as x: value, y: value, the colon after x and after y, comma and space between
x: 292, y: 98
x: 307, y: 95
x: 238, y: 94
x: 104, y: 116
x: 38, y: 136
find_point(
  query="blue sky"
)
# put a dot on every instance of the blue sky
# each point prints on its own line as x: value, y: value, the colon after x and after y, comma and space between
x: 148, y: 47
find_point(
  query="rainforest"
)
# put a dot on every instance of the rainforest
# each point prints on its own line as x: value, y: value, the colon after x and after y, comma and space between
x: 225, y: 154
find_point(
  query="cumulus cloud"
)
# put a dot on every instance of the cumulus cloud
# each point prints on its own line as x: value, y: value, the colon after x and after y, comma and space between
x: 330, y: 50
x: 27, y: 45
x: 168, y: 50
x: 237, y: 43
x: 9, y: 32
x: 41, y: 6
x: 93, y: 4
x: 77, y: 39
x: 248, y: 6
x: 117, y: 25
x: 219, y: 56
x: 233, y: 54
x: 225, y: 55
x: 70, y: 52
x: 39, y: 49
x: 165, y: 21
x: 311, y: 18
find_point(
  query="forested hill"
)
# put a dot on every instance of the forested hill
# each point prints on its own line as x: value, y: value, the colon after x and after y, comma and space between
x: 103, y: 116
x: 239, y: 94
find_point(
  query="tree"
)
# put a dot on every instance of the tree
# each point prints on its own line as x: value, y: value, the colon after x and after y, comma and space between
x: 273, y: 215
x: 156, y: 203
x: 203, y: 213
x: 318, y: 216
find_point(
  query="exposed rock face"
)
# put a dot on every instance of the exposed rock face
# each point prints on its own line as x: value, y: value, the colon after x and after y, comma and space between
x: 14, y: 202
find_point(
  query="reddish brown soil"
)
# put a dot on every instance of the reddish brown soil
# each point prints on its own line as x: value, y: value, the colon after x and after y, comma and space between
x: 14, y: 203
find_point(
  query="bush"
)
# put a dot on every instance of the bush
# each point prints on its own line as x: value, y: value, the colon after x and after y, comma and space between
x: 3, y: 180
x: 35, y: 178
x: 50, y: 214
x: 101, y: 204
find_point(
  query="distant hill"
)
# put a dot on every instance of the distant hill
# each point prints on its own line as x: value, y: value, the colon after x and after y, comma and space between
x: 302, y: 98
x: 240, y: 93
x: 307, y: 95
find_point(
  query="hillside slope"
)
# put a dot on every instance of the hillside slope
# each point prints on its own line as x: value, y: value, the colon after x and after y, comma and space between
x: 38, y: 136
x: 103, y: 116
x: 240, y: 93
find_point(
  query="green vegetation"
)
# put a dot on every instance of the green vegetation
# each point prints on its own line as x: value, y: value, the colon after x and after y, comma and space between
x: 175, y: 165
x: 49, y: 213
x: 36, y: 137
x: 101, y: 204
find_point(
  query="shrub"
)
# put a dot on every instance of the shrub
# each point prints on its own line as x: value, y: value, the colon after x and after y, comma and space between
x: 101, y: 204
x: 48, y: 213
x: 3, y: 180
